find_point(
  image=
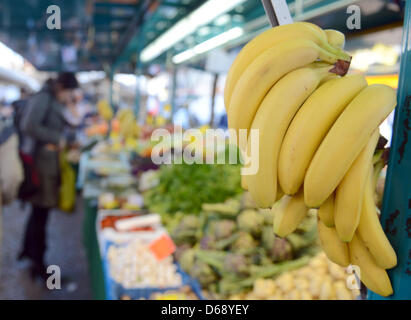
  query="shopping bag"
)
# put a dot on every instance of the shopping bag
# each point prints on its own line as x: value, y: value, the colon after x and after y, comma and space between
x: 67, y: 192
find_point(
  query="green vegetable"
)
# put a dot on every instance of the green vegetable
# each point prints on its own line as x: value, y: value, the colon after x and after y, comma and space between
x: 222, y: 229
x: 186, y: 187
x: 187, y: 259
x: 250, y: 221
x: 244, y: 242
x: 203, y: 273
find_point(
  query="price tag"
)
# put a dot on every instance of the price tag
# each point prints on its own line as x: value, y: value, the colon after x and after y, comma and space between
x: 162, y: 247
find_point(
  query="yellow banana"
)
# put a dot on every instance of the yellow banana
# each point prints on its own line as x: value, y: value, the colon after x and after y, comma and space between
x: 350, y: 192
x: 371, y: 232
x: 244, y: 184
x: 326, y: 212
x: 288, y: 214
x: 345, y: 140
x: 374, y: 277
x: 335, y: 38
x: 265, y: 71
x: 272, y: 120
x: 334, y: 248
x: 310, y: 126
x: 266, y: 40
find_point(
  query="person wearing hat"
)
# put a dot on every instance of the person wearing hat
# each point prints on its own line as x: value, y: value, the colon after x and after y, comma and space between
x: 45, y: 124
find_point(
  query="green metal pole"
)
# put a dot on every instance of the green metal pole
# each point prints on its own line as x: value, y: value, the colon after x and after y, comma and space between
x: 111, y: 77
x: 138, y: 72
x: 173, y: 92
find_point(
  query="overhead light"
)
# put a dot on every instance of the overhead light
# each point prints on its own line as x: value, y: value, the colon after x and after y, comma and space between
x: 204, y: 31
x: 222, y: 20
x: 199, y: 17
x: 208, y: 45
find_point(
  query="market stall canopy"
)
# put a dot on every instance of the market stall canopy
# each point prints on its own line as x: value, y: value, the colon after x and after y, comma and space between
x: 91, y: 36
x: 102, y: 35
x: 19, y: 78
x: 176, y: 34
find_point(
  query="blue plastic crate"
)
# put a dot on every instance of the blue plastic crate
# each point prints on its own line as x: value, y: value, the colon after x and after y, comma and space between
x: 114, y: 290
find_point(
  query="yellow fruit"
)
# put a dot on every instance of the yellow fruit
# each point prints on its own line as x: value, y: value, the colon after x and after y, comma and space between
x: 350, y: 192
x: 336, y: 250
x: 335, y: 38
x: 371, y: 232
x: 310, y: 125
x: 266, y: 40
x: 345, y: 140
x: 326, y: 212
x: 288, y: 214
x: 272, y: 120
x: 374, y: 277
x: 264, y: 72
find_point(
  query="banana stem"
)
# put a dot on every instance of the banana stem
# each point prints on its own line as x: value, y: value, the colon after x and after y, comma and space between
x: 341, y: 67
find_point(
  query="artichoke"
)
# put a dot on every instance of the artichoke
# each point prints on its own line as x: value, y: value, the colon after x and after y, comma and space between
x: 244, y: 242
x: 250, y: 221
x: 189, y: 222
x: 187, y: 259
x: 236, y: 264
x: 208, y: 242
x: 222, y: 229
x: 281, y: 250
x: 180, y: 250
x: 203, y: 273
x: 186, y: 231
x: 267, y: 237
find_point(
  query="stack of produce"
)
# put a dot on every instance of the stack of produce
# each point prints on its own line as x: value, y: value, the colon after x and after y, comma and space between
x: 321, y: 279
x: 317, y: 136
x: 228, y: 246
x: 104, y: 110
x: 128, y: 128
x: 135, y: 266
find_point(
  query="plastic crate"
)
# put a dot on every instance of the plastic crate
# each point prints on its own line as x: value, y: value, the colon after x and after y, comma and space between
x: 114, y: 290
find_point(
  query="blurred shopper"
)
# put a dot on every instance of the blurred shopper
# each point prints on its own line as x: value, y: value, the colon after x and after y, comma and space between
x: 11, y: 173
x: 46, y: 125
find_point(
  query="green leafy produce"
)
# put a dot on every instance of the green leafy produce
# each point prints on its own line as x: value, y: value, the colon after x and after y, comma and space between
x: 185, y: 187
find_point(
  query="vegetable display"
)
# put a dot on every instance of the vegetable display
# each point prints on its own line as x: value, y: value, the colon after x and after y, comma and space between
x: 185, y: 187
x: 228, y: 246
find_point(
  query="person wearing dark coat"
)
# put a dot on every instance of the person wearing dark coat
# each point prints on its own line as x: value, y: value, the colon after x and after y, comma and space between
x: 46, y: 125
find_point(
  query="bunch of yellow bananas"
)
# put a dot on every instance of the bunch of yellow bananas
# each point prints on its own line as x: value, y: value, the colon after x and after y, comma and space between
x: 104, y: 110
x: 318, y: 130
x: 127, y: 122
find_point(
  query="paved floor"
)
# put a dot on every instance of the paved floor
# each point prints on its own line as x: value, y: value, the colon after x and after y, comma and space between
x: 65, y: 249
